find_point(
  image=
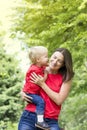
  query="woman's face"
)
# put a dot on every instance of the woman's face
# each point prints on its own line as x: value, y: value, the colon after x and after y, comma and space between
x: 56, y: 61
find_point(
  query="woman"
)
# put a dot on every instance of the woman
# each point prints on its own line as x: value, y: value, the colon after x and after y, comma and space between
x: 54, y: 91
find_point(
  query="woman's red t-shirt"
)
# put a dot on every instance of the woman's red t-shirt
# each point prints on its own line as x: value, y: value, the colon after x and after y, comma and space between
x: 52, y: 110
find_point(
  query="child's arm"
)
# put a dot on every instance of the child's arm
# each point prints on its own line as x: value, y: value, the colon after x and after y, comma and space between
x: 45, y: 74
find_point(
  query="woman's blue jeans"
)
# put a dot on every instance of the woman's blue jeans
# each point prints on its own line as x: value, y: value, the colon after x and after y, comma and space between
x: 28, y: 120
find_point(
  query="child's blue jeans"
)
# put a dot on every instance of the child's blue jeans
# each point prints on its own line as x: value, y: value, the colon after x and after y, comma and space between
x: 39, y: 102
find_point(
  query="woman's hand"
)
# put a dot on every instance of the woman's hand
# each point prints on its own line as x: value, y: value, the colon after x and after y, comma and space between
x: 37, y: 79
x: 26, y: 97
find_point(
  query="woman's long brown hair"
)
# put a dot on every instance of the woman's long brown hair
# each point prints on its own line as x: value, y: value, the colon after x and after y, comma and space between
x: 67, y: 69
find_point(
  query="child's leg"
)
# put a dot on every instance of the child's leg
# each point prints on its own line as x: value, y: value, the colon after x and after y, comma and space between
x: 39, y: 102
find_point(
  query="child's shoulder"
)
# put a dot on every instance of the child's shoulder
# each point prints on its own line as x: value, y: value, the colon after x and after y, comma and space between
x: 33, y: 68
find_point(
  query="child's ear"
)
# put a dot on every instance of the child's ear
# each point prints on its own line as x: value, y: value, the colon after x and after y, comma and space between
x: 37, y: 60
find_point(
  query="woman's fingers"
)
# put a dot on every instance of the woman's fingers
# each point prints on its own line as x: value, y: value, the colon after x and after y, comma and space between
x: 28, y: 97
x: 40, y: 76
x: 34, y: 78
x: 29, y: 101
x: 37, y: 79
x: 34, y: 75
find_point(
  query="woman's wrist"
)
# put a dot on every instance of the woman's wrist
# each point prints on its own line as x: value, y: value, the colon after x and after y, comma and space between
x: 43, y: 85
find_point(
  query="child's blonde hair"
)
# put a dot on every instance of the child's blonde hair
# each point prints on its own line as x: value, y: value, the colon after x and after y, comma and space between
x: 36, y: 52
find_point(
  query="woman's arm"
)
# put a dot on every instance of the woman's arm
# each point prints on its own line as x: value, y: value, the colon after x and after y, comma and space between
x: 58, y: 98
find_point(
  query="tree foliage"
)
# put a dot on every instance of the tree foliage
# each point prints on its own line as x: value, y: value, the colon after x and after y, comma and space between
x: 10, y: 86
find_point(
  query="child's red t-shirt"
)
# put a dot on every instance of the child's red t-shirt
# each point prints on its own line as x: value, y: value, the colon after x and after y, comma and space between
x: 31, y: 87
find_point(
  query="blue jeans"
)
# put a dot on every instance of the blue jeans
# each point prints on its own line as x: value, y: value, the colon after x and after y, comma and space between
x: 28, y: 120
x: 39, y: 102
x: 53, y: 124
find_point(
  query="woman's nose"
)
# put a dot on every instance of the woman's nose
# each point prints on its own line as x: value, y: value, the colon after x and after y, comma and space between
x: 55, y: 61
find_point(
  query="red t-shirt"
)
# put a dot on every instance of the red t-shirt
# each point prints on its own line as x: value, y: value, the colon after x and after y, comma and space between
x: 52, y: 110
x: 31, y: 87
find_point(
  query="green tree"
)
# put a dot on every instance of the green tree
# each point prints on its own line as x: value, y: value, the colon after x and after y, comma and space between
x: 11, y: 79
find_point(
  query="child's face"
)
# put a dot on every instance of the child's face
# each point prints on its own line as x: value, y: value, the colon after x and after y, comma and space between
x: 43, y: 59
